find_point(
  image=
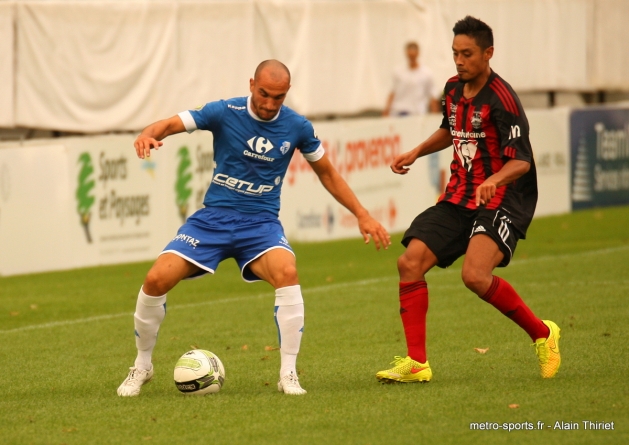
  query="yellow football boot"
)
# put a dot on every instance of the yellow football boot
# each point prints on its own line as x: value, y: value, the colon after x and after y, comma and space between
x: 547, y: 350
x: 406, y: 370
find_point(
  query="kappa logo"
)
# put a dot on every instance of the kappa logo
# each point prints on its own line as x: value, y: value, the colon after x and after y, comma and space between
x: 476, y: 120
x: 260, y: 145
x: 466, y: 149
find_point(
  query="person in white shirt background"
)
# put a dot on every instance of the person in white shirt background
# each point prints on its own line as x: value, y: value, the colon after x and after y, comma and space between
x: 413, y: 91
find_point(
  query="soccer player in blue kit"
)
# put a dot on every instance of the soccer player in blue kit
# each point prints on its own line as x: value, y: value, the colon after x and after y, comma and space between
x: 254, y: 140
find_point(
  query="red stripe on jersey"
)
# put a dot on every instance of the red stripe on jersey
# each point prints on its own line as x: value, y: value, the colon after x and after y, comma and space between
x: 505, y: 96
x: 509, y: 152
x: 453, y: 79
x: 501, y: 96
x: 509, y: 95
x: 492, y: 142
x: 498, y: 198
x: 478, y: 173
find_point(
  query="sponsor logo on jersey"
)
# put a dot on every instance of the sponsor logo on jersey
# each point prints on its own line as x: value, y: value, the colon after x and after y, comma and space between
x: 452, y: 118
x: 257, y: 156
x: 468, y: 134
x: 234, y: 107
x: 240, y: 185
x: 285, y: 147
x: 515, y: 132
x: 259, y: 147
x: 466, y: 149
x: 477, y: 121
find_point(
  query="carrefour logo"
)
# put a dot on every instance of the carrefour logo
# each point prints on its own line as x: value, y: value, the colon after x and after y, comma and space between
x: 260, y: 145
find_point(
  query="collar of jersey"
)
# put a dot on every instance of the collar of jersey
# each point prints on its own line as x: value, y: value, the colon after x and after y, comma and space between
x: 253, y: 115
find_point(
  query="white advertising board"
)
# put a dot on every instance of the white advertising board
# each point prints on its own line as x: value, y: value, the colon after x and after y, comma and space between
x: 362, y: 151
x: 33, y: 212
x: 127, y: 209
x: 88, y: 201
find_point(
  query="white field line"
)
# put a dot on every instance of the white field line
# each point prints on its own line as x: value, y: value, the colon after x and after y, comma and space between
x: 316, y: 289
x: 54, y: 324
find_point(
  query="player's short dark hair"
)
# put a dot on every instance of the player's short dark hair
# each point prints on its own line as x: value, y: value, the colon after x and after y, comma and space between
x: 476, y: 29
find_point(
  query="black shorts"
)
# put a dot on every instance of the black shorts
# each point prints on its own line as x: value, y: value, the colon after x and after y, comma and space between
x: 447, y: 228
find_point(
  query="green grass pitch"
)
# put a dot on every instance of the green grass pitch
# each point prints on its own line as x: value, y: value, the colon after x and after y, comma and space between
x: 67, y: 341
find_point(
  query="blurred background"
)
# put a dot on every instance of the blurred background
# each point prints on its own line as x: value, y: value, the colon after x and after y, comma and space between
x: 78, y: 79
x: 88, y: 66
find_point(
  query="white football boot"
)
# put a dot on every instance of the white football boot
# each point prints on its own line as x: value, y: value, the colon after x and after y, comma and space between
x: 134, y: 381
x: 289, y: 384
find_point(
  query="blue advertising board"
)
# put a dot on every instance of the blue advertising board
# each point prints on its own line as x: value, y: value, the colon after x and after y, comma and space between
x: 599, y: 147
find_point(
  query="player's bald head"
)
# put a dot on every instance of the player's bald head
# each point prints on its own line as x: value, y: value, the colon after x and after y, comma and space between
x: 269, y: 87
x: 274, y: 69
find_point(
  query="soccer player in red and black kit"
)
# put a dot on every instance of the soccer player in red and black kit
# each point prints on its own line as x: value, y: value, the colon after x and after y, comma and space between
x: 486, y: 208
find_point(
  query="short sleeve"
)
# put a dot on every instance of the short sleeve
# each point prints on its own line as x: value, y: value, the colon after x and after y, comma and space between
x: 204, y: 118
x: 514, y: 135
x: 309, y: 144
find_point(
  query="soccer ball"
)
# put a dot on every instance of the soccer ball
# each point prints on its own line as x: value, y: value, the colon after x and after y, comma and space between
x: 199, y: 372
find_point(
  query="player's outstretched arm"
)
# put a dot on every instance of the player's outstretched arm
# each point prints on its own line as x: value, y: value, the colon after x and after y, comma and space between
x: 509, y: 172
x: 152, y: 135
x: 336, y: 185
x: 439, y: 140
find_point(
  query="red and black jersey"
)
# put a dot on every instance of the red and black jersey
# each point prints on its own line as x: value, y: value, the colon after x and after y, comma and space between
x: 487, y: 131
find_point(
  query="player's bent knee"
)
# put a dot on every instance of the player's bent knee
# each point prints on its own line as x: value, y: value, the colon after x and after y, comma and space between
x: 155, y: 284
x: 411, y: 268
x: 287, y: 275
x: 475, y: 280
x: 405, y: 264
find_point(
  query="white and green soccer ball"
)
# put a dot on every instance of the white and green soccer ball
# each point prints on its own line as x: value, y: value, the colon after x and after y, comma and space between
x: 199, y: 372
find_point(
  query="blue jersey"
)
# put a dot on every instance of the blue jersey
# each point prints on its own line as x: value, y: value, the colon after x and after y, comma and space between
x: 251, y: 156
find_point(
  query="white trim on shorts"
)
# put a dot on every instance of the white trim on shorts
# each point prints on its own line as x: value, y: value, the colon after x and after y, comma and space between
x: 190, y: 260
x: 255, y: 258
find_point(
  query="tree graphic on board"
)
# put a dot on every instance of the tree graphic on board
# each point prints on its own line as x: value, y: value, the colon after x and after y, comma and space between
x: 84, y: 200
x: 184, y: 176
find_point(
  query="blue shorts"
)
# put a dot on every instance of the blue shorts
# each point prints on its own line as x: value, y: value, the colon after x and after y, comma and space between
x: 213, y: 234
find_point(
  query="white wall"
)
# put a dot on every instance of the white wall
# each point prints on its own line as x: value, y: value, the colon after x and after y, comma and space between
x: 96, y: 66
x: 7, y: 83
